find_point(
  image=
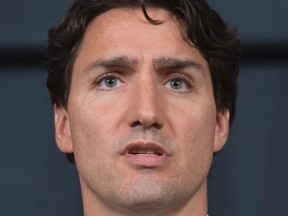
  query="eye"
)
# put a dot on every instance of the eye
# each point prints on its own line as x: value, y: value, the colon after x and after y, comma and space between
x: 179, y: 83
x: 108, y: 82
x: 176, y: 84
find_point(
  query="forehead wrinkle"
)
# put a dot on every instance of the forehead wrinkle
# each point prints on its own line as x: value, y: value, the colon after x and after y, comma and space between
x: 113, y: 62
x: 168, y: 63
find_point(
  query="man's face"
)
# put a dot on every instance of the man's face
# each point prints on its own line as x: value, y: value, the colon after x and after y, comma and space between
x: 141, y: 117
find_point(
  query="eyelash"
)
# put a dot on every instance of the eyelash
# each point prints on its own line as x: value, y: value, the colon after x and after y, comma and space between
x: 182, y: 77
x: 105, y: 76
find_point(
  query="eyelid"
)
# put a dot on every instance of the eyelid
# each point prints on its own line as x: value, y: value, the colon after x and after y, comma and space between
x: 181, y: 76
x: 101, y: 78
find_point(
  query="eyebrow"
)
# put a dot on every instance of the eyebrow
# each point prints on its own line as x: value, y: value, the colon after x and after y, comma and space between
x: 165, y: 63
x: 115, y: 62
x: 159, y: 64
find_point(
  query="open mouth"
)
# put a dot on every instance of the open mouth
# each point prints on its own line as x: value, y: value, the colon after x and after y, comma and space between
x: 144, y: 149
x: 148, y: 152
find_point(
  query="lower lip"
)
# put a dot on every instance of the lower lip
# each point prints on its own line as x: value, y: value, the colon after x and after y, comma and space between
x: 147, y: 161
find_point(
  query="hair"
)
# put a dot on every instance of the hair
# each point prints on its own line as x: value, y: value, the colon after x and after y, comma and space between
x: 217, y: 42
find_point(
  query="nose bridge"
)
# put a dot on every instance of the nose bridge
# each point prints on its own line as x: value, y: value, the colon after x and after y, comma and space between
x: 147, y: 95
x: 147, y: 92
x: 147, y: 102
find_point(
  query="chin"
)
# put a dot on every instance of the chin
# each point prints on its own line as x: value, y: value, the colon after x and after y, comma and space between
x: 152, y: 196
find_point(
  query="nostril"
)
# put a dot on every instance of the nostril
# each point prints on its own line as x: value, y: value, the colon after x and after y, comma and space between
x: 145, y: 125
x: 145, y: 116
x: 135, y: 124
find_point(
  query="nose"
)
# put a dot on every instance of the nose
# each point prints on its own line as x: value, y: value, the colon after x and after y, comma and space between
x: 145, y: 105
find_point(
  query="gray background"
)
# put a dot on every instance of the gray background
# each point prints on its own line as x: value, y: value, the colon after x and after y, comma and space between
x: 250, y: 175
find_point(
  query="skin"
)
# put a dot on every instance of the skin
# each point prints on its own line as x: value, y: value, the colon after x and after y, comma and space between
x: 134, y: 83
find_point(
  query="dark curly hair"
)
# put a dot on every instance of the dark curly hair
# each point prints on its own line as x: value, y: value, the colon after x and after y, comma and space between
x: 217, y: 42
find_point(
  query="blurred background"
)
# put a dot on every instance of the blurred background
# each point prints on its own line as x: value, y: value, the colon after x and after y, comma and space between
x: 250, y: 176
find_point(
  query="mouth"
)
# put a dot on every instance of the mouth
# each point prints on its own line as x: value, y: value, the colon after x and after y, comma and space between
x: 141, y: 148
x: 145, y: 151
x: 146, y: 154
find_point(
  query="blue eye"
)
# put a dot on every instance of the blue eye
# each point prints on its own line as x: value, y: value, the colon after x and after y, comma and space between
x: 176, y: 84
x: 108, y: 82
x: 179, y: 84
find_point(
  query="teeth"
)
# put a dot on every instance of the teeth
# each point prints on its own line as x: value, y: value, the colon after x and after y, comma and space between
x: 150, y: 152
x: 144, y: 152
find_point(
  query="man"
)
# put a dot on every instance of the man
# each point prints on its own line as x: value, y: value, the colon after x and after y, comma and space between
x: 144, y: 93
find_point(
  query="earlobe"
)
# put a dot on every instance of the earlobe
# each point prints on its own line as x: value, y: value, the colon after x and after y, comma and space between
x: 221, y: 130
x: 62, y: 130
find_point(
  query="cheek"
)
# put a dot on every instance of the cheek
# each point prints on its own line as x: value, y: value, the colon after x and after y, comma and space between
x: 87, y: 133
x: 90, y: 145
x: 196, y: 130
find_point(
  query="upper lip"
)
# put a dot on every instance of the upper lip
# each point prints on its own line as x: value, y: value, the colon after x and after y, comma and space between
x: 145, y: 147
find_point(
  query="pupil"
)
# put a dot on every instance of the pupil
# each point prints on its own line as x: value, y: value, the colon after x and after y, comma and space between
x: 110, y: 82
x: 176, y: 84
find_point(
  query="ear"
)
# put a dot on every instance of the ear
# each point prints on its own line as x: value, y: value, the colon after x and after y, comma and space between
x: 62, y: 129
x: 221, y: 130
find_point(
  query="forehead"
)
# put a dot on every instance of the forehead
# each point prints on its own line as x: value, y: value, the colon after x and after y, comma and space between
x: 127, y: 31
x: 115, y: 23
